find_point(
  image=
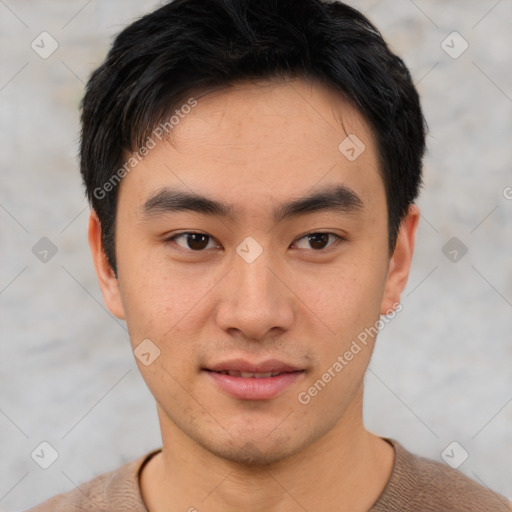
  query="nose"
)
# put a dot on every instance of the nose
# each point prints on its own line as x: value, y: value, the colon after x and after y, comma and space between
x: 255, y: 299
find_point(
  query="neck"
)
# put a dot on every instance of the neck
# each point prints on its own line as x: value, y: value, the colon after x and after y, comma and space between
x: 346, y: 469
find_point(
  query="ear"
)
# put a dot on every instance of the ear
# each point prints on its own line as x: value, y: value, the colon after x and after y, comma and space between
x: 400, y: 262
x: 107, y: 280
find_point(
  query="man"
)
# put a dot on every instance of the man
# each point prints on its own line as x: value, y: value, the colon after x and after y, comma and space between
x: 252, y: 167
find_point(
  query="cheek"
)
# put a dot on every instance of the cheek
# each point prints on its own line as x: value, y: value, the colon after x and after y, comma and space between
x: 149, y: 291
x: 346, y: 296
x: 166, y: 306
x: 350, y: 306
x: 157, y: 311
x: 153, y: 306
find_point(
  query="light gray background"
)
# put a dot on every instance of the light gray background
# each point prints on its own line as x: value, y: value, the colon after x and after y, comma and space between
x: 441, y: 370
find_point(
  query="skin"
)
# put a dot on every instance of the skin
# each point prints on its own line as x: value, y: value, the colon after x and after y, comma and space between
x: 256, y: 147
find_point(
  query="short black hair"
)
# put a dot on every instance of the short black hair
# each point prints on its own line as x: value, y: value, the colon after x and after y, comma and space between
x: 198, y: 45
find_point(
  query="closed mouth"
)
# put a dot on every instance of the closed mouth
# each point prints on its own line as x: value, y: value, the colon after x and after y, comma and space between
x: 253, y: 375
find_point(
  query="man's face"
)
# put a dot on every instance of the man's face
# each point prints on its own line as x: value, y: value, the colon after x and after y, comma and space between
x: 255, y: 291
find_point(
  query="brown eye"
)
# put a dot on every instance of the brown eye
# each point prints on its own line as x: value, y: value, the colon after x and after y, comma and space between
x: 192, y: 241
x: 318, y: 241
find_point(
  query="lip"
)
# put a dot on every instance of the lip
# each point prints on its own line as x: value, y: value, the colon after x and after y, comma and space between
x: 241, y: 365
x: 254, y: 388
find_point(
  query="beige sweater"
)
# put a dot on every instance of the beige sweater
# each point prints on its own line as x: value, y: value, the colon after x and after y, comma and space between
x: 416, y: 484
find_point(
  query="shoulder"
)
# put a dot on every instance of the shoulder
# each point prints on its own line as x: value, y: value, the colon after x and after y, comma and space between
x: 418, y: 483
x: 118, y: 489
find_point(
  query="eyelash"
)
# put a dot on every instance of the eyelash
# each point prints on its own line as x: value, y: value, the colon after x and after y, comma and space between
x: 338, y: 240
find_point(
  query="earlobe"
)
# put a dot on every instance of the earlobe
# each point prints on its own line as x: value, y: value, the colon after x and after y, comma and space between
x: 107, y: 279
x: 400, y: 263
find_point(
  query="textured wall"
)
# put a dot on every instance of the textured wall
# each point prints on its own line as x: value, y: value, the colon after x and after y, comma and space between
x: 441, y: 370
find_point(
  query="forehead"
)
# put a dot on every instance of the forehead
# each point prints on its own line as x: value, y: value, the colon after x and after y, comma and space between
x: 262, y: 143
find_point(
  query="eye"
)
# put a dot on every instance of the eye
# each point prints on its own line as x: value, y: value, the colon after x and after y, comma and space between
x: 193, y: 241
x: 318, y: 241
x: 198, y: 242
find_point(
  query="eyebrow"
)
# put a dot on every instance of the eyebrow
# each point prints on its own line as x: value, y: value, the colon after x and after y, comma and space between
x: 332, y: 198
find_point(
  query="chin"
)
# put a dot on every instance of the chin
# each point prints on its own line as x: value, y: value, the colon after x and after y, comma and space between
x: 254, y: 453
x: 257, y: 447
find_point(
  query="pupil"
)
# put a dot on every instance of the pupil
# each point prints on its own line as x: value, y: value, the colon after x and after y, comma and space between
x: 318, y: 240
x: 195, y: 243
